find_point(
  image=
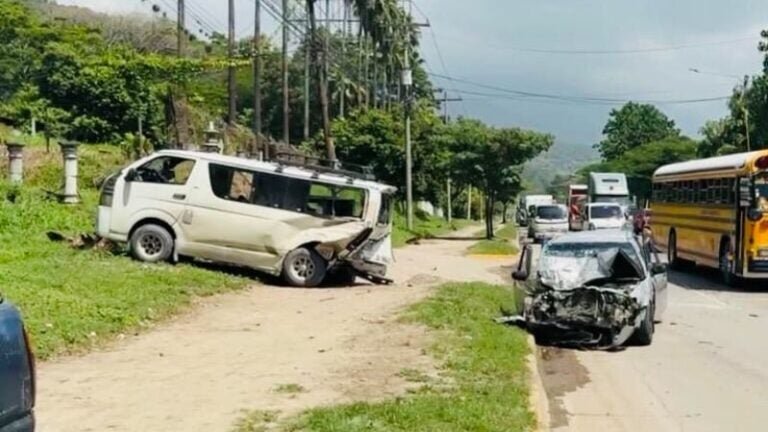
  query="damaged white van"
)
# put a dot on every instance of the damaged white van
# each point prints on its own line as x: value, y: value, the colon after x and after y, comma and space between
x: 307, y: 225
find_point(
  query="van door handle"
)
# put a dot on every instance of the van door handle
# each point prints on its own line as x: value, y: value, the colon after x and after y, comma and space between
x: 179, y: 197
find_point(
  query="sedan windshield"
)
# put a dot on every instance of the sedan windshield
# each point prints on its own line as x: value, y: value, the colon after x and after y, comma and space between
x: 586, y: 249
x: 551, y: 212
x: 605, y: 212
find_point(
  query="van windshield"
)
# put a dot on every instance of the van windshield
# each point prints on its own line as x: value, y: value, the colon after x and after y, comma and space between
x: 605, y: 212
x: 551, y: 212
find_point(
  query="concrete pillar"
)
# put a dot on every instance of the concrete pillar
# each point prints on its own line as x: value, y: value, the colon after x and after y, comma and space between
x: 69, y: 151
x: 16, y: 162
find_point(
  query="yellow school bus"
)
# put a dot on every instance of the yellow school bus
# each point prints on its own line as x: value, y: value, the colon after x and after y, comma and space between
x: 714, y: 212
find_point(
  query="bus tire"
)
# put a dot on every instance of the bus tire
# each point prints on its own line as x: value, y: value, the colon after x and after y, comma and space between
x: 726, y: 271
x: 674, y: 261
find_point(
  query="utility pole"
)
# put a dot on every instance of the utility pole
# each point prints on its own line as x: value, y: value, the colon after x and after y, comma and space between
x: 180, y: 29
x: 446, y: 99
x: 746, y: 111
x: 450, y: 204
x: 407, y: 83
x: 307, y: 71
x: 232, y: 100
x: 257, y: 67
x: 343, y: 83
x: 469, y: 203
x: 286, y: 95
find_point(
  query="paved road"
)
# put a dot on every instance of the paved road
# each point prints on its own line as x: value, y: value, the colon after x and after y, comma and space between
x: 707, y: 369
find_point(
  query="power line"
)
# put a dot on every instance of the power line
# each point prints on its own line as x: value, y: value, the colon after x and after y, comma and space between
x: 576, y: 98
x: 639, y: 50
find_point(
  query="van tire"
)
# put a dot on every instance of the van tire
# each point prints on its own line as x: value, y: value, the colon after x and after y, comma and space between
x: 151, y: 243
x: 304, y: 267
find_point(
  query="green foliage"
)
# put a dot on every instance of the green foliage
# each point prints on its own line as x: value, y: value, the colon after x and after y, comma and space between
x: 485, y: 386
x: 632, y: 126
x: 73, y: 299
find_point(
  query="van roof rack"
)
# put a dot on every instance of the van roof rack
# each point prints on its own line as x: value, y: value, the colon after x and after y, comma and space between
x: 320, y: 165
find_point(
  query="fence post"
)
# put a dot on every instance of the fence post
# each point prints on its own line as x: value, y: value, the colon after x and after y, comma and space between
x: 16, y: 162
x: 69, y: 152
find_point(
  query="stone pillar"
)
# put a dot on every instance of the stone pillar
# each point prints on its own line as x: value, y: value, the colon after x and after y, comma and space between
x: 16, y: 162
x: 69, y: 151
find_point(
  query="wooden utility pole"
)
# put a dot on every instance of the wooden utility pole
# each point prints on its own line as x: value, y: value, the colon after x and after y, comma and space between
x: 446, y: 99
x: 231, y: 55
x: 286, y: 91
x: 180, y: 29
x: 343, y: 83
x: 307, y: 71
x: 449, y: 210
x: 407, y: 80
x: 257, y: 67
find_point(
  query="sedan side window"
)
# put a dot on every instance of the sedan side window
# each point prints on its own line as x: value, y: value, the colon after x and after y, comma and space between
x: 165, y: 170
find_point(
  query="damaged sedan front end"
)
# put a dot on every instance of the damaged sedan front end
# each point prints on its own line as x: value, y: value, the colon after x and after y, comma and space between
x: 581, y: 290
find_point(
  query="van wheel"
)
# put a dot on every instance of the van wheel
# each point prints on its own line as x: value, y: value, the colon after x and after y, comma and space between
x: 151, y: 243
x: 303, y: 267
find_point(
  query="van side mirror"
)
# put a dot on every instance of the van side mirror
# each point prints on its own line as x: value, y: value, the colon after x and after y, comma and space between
x: 131, y: 175
x: 658, y: 269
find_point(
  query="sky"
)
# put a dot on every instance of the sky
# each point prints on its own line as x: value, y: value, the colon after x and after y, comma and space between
x: 608, y: 49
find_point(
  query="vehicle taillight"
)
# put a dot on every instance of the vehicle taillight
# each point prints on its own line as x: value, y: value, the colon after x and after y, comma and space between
x: 762, y: 163
x: 31, y: 385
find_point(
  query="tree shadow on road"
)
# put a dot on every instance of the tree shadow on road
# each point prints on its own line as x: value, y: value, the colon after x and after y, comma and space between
x: 706, y: 279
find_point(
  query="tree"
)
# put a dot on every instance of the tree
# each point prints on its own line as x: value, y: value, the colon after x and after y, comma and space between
x: 490, y: 158
x: 634, y: 125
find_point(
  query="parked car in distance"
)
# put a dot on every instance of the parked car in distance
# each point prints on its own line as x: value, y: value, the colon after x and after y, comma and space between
x: 596, y: 216
x: 299, y: 223
x: 548, y: 221
x: 17, y: 373
x: 592, y: 288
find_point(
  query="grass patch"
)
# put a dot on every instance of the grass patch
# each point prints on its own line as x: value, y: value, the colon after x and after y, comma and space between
x: 484, y: 364
x: 256, y: 421
x: 504, y: 243
x: 413, y: 375
x: 424, y: 226
x: 289, y: 389
x: 72, y: 300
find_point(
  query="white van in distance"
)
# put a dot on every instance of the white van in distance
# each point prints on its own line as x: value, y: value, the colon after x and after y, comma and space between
x: 299, y: 223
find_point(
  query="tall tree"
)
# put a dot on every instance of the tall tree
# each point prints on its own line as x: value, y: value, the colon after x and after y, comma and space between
x: 634, y: 125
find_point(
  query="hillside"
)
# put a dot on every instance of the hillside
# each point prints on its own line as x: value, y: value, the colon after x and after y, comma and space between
x: 562, y: 159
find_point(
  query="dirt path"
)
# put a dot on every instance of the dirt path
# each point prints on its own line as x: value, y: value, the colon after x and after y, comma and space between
x: 229, y: 353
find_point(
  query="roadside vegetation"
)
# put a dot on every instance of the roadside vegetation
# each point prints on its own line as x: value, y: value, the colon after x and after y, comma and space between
x: 483, y: 385
x: 424, y: 227
x: 503, y: 243
x: 73, y: 299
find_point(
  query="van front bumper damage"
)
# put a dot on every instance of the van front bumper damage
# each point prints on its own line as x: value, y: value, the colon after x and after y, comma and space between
x: 587, y: 316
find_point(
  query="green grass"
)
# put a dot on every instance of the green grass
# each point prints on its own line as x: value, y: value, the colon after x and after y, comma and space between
x: 72, y: 300
x: 504, y: 243
x: 485, y: 377
x: 256, y: 421
x: 424, y: 226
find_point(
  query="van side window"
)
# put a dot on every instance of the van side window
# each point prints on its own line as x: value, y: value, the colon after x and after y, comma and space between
x: 231, y: 183
x: 165, y: 170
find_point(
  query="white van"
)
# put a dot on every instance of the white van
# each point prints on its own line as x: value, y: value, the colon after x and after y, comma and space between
x: 302, y: 224
x: 598, y: 216
x: 548, y: 222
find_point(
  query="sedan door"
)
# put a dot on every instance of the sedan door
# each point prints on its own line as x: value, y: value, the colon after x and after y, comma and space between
x: 660, y: 281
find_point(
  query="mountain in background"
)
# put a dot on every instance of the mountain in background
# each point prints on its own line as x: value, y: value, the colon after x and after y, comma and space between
x: 562, y: 159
